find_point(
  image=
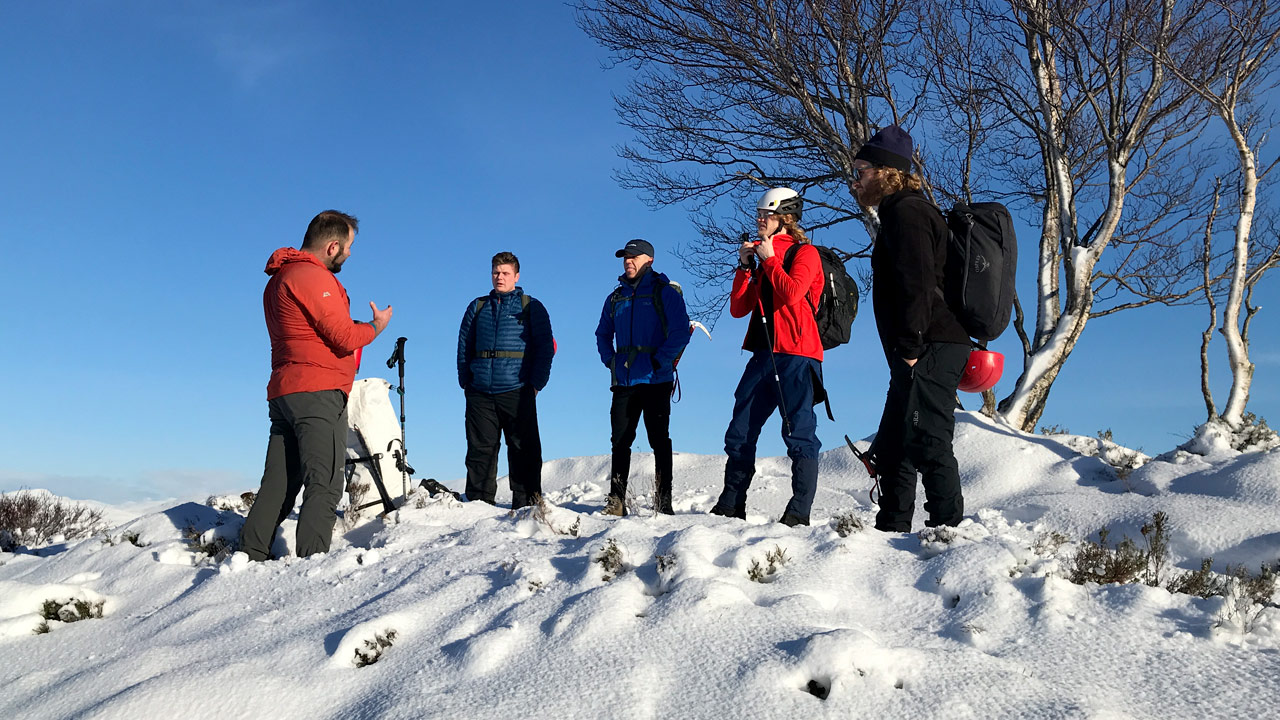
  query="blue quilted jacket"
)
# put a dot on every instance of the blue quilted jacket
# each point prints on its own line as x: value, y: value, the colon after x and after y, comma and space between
x: 504, y: 345
x: 637, y: 345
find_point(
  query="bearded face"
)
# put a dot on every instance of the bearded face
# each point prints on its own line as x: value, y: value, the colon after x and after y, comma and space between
x: 870, y: 185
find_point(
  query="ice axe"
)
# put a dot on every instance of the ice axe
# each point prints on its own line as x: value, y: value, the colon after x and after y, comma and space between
x: 868, y: 462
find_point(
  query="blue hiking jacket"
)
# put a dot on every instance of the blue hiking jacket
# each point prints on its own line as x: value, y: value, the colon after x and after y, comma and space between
x: 635, y: 343
x: 505, y: 345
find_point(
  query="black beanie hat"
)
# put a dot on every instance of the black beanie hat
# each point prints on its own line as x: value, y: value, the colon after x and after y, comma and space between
x: 891, y: 147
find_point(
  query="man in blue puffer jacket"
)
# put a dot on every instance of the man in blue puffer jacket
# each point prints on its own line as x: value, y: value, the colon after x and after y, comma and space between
x: 504, y: 359
x: 647, y: 318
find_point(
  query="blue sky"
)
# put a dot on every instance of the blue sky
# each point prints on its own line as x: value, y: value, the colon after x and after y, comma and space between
x: 156, y: 153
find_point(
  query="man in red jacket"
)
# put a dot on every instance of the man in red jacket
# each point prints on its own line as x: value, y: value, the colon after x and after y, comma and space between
x: 313, y: 365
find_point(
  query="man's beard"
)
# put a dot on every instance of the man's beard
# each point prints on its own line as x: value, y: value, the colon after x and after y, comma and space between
x: 335, y: 266
x: 873, y: 192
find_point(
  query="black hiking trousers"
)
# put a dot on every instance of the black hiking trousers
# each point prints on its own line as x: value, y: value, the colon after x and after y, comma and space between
x: 489, y: 417
x: 307, y: 449
x: 630, y: 402
x: 915, y: 435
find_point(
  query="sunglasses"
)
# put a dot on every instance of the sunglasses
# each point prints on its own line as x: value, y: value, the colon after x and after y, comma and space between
x: 858, y: 172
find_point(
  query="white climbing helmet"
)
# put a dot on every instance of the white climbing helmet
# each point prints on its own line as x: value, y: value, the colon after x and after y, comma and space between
x: 781, y: 201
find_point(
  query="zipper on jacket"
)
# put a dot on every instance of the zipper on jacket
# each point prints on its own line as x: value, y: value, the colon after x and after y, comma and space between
x: 632, y: 313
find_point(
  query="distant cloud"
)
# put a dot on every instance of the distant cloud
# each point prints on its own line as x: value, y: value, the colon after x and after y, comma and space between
x: 180, y: 484
x: 252, y: 40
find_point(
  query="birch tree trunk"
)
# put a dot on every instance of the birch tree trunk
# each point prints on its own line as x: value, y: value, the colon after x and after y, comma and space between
x: 1055, y: 34
x: 1240, y: 49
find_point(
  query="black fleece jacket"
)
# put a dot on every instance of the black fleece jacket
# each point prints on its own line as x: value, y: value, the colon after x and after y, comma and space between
x: 907, y: 271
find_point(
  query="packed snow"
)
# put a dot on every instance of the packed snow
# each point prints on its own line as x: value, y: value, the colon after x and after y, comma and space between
x: 444, y: 609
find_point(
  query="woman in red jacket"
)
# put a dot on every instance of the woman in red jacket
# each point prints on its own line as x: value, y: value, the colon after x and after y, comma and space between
x: 779, y: 279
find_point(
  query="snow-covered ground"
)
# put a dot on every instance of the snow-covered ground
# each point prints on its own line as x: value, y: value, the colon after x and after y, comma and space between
x: 474, y: 612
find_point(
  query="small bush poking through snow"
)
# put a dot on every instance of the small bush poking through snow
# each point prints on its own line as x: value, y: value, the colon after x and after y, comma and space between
x: 67, y: 610
x: 1254, y: 435
x: 1126, y: 562
x: 1202, y: 583
x: 941, y: 535
x: 371, y: 651
x: 610, y: 558
x: 774, y: 560
x: 1047, y: 544
x: 665, y: 563
x: 1205, y: 583
x: 541, y: 512
x: 847, y: 523
x: 132, y: 537
x: 1054, y: 430
x: 216, y: 546
x: 1246, y: 594
x: 1240, y: 611
x: 35, y: 519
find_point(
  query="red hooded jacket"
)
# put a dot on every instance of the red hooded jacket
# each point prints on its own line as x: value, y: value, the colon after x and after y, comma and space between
x: 792, y: 326
x: 313, y: 338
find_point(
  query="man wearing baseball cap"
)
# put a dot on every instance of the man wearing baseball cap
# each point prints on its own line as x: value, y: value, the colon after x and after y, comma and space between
x: 642, y: 331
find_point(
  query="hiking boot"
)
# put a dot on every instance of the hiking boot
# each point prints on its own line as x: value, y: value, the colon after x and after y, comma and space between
x: 740, y: 513
x: 664, y: 505
x: 793, y: 520
x: 615, y: 506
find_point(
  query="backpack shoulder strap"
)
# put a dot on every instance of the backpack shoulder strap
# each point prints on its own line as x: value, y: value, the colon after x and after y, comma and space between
x: 789, y: 259
x: 659, y: 284
x: 614, y: 298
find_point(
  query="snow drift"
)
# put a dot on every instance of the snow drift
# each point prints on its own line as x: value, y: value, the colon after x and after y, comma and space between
x: 453, y: 610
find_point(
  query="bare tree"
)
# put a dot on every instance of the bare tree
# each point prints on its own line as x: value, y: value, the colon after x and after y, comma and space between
x: 1237, y: 46
x: 730, y: 97
x: 1088, y: 130
x: 1049, y: 105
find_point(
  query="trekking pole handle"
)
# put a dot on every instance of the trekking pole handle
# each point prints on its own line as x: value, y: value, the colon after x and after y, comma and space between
x: 397, y: 355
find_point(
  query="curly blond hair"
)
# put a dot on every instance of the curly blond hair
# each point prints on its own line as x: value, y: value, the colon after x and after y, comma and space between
x: 791, y: 227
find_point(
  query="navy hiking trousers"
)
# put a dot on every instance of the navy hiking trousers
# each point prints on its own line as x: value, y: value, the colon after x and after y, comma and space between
x: 759, y: 393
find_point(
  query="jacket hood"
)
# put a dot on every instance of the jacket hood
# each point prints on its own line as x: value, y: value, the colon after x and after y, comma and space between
x: 286, y: 255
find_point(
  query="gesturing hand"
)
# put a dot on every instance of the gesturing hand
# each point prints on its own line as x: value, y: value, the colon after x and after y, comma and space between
x: 381, y: 318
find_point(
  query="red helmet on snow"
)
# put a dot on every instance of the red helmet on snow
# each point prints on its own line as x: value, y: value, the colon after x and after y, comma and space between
x: 982, y: 372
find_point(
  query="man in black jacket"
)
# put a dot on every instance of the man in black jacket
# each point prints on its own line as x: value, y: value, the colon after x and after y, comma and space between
x: 924, y: 343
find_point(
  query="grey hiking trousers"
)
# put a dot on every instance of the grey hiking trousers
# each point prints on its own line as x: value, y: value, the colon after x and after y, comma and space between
x: 307, y: 449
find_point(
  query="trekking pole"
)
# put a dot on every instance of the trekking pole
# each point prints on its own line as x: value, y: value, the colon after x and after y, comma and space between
x: 782, y: 400
x: 764, y: 320
x: 401, y: 455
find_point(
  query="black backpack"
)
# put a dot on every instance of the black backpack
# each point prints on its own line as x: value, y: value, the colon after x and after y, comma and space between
x: 982, y: 257
x: 838, y: 305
